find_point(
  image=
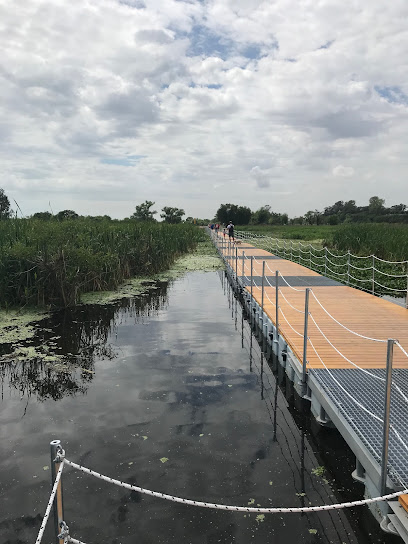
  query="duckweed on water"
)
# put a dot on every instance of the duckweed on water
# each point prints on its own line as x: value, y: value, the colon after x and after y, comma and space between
x: 20, y: 325
x: 203, y: 259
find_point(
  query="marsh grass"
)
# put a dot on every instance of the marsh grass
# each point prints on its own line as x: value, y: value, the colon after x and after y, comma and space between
x: 51, y: 263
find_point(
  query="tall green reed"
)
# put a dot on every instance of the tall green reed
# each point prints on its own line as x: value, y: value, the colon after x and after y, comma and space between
x: 52, y: 263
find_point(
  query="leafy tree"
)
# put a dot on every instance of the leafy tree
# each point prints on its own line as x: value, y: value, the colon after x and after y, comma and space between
x: 172, y: 215
x: 261, y: 216
x: 66, y: 214
x: 278, y: 219
x: 337, y: 207
x: 44, y: 216
x: 350, y: 206
x: 376, y: 204
x: 333, y: 220
x: 143, y: 212
x: 5, y: 211
x: 398, y: 208
x: 239, y: 215
x: 309, y: 217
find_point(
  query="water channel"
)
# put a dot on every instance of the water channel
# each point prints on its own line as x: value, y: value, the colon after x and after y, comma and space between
x: 169, y: 391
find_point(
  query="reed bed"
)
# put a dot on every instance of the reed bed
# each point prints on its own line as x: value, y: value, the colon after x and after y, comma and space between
x: 386, y: 241
x: 52, y: 263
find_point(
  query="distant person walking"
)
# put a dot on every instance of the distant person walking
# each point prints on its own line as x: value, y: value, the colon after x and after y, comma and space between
x: 230, y: 230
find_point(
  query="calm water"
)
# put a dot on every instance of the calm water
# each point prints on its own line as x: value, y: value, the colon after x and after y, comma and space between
x: 177, y: 375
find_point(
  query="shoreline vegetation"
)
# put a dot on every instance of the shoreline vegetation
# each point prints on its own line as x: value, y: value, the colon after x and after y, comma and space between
x: 52, y: 264
x: 19, y: 325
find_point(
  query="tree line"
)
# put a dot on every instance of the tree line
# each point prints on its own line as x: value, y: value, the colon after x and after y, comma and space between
x: 339, y: 212
x: 143, y: 212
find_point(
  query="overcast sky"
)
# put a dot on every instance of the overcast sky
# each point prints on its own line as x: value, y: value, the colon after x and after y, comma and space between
x: 292, y: 103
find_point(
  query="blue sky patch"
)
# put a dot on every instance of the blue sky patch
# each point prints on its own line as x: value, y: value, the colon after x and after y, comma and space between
x: 207, y: 43
x: 392, y: 94
x: 131, y: 160
x: 204, y: 42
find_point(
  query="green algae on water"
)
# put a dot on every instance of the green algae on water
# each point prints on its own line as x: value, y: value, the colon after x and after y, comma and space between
x: 204, y: 259
x: 18, y: 325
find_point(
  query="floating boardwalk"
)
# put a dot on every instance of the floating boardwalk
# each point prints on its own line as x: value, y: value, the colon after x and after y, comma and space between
x: 342, y: 366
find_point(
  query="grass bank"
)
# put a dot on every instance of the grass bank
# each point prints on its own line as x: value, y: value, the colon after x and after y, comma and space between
x: 53, y: 263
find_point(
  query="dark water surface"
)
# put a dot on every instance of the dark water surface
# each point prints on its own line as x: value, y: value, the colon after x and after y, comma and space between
x: 177, y: 375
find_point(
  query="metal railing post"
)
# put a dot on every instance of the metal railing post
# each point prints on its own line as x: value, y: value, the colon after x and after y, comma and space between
x: 387, y: 409
x: 305, y: 340
x: 373, y: 280
x: 325, y: 261
x: 284, y: 249
x: 263, y: 288
x: 310, y: 255
x: 277, y: 304
x: 236, y: 264
x: 58, y: 506
x: 291, y: 250
x: 406, y: 301
x: 252, y: 280
x: 348, y: 267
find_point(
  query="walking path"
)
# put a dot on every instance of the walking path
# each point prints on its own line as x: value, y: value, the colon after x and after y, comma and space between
x: 347, y: 337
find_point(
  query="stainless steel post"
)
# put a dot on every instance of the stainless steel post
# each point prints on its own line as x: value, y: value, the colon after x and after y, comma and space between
x: 252, y: 274
x: 387, y: 409
x: 58, y: 506
x: 252, y: 279
x: 291, y: 250
x: 373, y: 280
x: 263, y: 288
x: 277, y: 304
x: 305, y: 339
x: 348, y: 267
x: 236, y: 264
x: 325, y: 261
x: 310, y: 255
x: 406, y: 301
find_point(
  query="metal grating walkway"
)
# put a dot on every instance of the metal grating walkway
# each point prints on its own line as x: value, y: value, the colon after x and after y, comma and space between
x: 294, y: 281
x: 370, y: 392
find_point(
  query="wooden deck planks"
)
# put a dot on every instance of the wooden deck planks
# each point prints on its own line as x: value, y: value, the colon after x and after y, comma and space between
x: 359, y: 311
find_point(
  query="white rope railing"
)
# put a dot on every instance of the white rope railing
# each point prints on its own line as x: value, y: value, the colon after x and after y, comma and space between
x: 342, y: 355
x: 246, y: 509
x: 374, y: 416
x: 389, y: 288
x: 344, y: 326
x: 288, y: 284
x: 291, y: 305
x: 49, y: 505
x: 285, y: 318
x: 307, y: 255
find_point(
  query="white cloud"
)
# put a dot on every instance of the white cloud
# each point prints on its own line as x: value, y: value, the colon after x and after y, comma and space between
x: 343, y: 171
x: 270, y: 99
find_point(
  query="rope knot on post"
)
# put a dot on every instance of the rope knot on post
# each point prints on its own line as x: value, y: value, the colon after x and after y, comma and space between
x: 64, y: 534
x: 60, y: 455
